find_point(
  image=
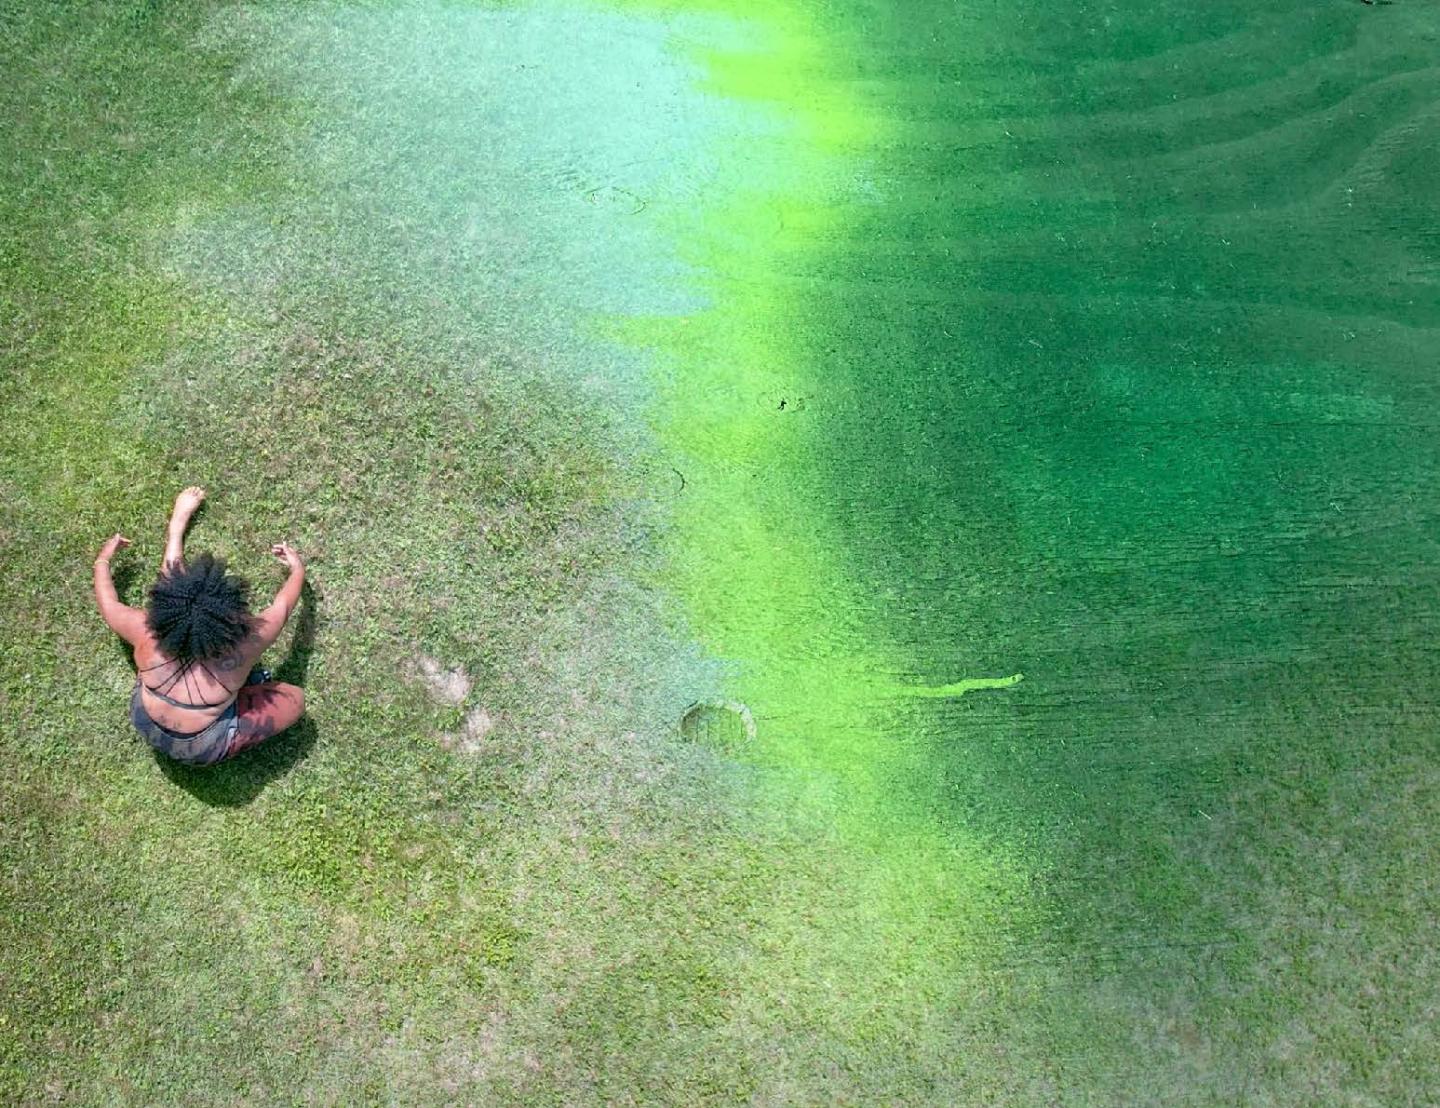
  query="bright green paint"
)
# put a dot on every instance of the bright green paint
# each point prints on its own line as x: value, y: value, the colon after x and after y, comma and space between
x: 759, y: 572
x: 918, y: 906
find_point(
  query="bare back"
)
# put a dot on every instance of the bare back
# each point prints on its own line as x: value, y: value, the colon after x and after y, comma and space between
x: 211, y: 686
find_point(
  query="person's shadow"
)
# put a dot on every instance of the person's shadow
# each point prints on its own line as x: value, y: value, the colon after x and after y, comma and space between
x: 241, y: 779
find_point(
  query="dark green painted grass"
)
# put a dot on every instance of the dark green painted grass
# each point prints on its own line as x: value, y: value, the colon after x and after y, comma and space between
x: 1129, y: 385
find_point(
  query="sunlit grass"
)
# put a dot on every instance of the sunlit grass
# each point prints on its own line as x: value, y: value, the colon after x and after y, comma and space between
x: 505, y: 314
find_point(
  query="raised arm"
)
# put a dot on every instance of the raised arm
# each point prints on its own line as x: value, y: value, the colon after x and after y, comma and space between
x: 270, y: 622
x: 127, y: 622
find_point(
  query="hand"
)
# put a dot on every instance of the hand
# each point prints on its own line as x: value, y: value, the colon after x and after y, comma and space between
x: 115, y: 542
x: 286, y: 553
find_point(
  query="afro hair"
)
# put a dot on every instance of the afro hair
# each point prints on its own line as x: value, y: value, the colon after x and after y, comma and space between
x: 198, y: 612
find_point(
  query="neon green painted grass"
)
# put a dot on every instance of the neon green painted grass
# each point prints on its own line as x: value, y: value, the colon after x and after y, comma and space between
x: 758, y: 569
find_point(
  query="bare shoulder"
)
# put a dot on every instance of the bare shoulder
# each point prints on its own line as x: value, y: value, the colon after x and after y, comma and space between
x: 127, y: 622
x: 147, y: 651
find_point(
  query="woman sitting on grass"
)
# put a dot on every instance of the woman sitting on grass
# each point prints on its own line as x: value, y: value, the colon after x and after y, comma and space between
x: 196, y: 697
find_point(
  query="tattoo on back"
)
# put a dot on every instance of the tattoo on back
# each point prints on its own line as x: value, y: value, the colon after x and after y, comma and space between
x: 236, y: 658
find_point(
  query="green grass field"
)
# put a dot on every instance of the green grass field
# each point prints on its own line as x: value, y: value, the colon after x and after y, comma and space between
x: 825, y: 359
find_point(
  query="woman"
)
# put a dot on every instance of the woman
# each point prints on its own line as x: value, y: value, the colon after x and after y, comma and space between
x: 196, y: 696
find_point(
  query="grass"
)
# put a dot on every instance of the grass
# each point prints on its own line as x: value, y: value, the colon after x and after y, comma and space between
x: 361, y: 272
x: 353, y: 895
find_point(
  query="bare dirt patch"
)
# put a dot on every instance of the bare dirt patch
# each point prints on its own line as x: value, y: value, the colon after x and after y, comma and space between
x: 470, y: 739
x: 449, y: 686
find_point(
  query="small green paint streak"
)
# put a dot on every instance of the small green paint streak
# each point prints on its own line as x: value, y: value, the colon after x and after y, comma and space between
x: 970, y: 684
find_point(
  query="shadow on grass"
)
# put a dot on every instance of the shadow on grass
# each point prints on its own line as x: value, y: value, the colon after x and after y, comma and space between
x: 124, y: 575
x: 297, y: 663
x: 240, y: 780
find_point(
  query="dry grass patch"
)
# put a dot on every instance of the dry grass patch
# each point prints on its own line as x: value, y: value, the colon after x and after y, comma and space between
x: 448, y: 686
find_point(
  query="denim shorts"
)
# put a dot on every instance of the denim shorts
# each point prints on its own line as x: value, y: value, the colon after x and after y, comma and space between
x: 200, y: 748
